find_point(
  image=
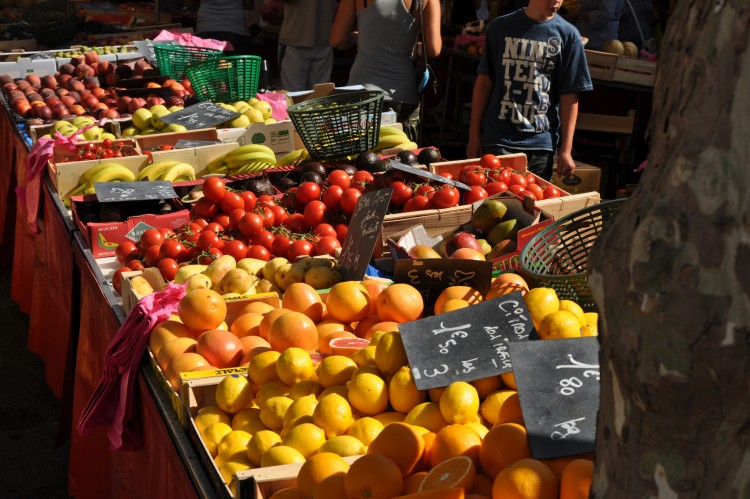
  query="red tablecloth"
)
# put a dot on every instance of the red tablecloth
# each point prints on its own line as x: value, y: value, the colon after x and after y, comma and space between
x: 24, y: 245
x: 8, y: 142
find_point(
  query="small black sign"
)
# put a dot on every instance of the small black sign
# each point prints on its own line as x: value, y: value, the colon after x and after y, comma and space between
x: 428, y: 175
x: 202, y: 115
x: 109, y: 192
x: 364, y: 233
x: 558, y: 386
x: 186, y: 144
x: 468, y: 344
x: 146, y: 47
x: 432, y: 275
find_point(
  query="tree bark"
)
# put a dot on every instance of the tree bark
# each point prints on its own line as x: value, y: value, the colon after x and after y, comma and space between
x: 671, y: 278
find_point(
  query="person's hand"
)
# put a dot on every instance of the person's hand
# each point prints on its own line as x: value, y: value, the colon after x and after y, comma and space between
x: 473, y: 147
x: 565, y: 164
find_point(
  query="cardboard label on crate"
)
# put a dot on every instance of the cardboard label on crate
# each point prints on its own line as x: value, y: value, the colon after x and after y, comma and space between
x: 558, y: 387
x: 428, y: 175
x: 186, y: 144
x: 364, y: 233
x: 202, y: 115
x: 213, y: 372
x: 468, y: 344
x: 432, y: 275
x: 146, y: 48
x: 110, y: 192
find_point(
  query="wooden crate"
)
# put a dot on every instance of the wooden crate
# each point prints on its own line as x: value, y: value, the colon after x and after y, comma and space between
x: 635, y: 71
x: 601, y: 64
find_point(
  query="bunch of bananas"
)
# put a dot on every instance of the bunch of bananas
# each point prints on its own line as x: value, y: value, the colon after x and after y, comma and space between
x: 293, y: 158
x: 107, y: 171
x: 393, y: 138
x: 172, y: 171
x: 250, y: 158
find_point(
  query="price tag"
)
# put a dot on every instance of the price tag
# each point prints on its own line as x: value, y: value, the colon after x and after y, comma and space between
x: 364, y: 233
x: 110, y: 192
x: 146, y: 48
x: 428, y: 175
x: 186, y: 144
x: 558, y: 387
x: 205, y: 114
x: 467, y: 344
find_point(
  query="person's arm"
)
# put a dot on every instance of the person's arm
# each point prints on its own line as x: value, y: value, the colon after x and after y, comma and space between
x: 431, y: 28
x: 479, y: 99
x: 568, y: 117
x: 343, y: 34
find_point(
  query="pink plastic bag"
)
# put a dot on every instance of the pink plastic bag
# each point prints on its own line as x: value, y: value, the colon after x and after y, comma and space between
x: 278, y: 105
x: 192, y: 40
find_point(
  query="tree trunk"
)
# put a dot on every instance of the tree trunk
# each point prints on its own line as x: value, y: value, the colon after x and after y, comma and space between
x: 672, y: 278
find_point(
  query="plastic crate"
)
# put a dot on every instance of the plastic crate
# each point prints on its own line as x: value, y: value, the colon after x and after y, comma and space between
x: 173, y: 60
x: 336, y: 126
x: 557, y: 257
x: 53, y: 23
x: 227, y: 79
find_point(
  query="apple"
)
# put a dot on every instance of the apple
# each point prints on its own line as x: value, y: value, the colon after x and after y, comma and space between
x: 156, y: 114
x: 44, y: 112
x: 174, y: 109
x: 93, y: 133
x: 142, y: 118
x: 130, y: 132
x: 461, y: 240
x: 59, y: 111
x: 34, y: 97
x: 82, y: 121
x: 75, y: 96
x: 89, y: 101
x: 136, y: 103
x: 422, y: 251
x: 77, y: 86
x: 174, y: 128
x: 8, y: 79
x: 240, y: 121
x: 99, y: 92
x: 149, y: 131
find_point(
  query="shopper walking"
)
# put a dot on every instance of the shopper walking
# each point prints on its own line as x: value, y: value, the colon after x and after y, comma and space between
x: 225, y: 20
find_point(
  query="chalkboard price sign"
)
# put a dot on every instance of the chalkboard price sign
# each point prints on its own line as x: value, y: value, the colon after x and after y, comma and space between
x: 202, y: 115
x: 432, y: 275
x: 558, y: 387
x: 467, y: 344
x: 110, y: 192
x: 428, y: 175
x: 364, y: 233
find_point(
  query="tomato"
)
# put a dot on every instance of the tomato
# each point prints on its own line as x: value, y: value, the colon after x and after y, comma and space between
x: 266, y: 199
x: 425, y: 190
x: 236, y: 249
x: 200, y: 222
x: 136, y: 265
x: 89, y: 155
x: 213, y: 188
x: 340, y: 178
x: 250, y: 200
x: 417, y: 203
x: 231, y: 201
x: 341, y: 231
x: 193, y: 253
x: 447, y: 175
x: 476, y: 193
x: 151, y: 237
x: 280, y: 245
x: 107, y: 143
x: 502, y: 176
x: 234, y: 219
x: 117, y: 278
x: 209, y: 255
x: 361, y: 179
x: 264, y: 238
x: 259, y: 252
x: 517, y: 179
x: 517, y: 189
x: 401, y: 193
x: 279, y: 214
x: 168, y: 268
x: 552, y: 191
x: 152, y: 255
x: 214, y: 227
x: 349, y: 199
x: 266, y: 213
x: 300, y: 247
x: 205, y: 208
x: 296, y: 223
x: 324, y: 229
x: 315, y: 212
x: 530, y: 178
x: 124, y: 250
x: 446, y: 197
x: 208, y: 239
x: 332, y: 197
x: 326, y: 245
x: 250, y: 224
x: 167, y: 232
x: 222, y: 219
x: 536, y: 191
x: 472, y: 175
x: 308, y: 191
x: 490, y: 161
x: 172, y: 248
x: 495, y: 187
x: 191, y: 238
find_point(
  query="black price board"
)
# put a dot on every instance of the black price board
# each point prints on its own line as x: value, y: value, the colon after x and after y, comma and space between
x: 426, y: 174
x: 186, y: 144
x: 558, y: 386
x: 432, y: 275
x: 467, y: 344
x: 109, y: 192
x: 202, y: 115
x: 146, y: 47
x: 364, y: 233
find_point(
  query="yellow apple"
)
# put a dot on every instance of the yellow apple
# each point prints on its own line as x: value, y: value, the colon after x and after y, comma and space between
x: 241, y: 121
x: 142, y: 118
x: 264, y: 107
x: 254, y: 115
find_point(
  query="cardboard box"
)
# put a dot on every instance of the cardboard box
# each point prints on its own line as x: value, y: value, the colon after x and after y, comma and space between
x: 25, y: 65
x: 26, y: 44
x: 65, y: 176
x: 586, y: 178
x: 149, y: 142
x: 278, y: 136
x: 127, y: 146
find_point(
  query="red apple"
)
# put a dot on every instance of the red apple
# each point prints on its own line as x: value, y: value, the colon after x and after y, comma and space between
x: 64, y: 80
x: 66, y: 69
x: 136, y: 103
x: 461, y: 240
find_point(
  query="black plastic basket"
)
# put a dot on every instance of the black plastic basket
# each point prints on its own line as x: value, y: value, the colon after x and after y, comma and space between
x: 338, y: 125
x: 53, y: 23
x: 173, y: 60
x: 227, y: 79
x: 557, y: 256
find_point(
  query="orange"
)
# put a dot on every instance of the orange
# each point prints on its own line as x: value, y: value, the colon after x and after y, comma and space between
x: 400, y: 303
x: 453, y: 493
x: 413, y: 481
x: 576, y: 479
x: 317, y: 468
x: 293, y: 329
x: 457, y: 471
x: 202, y: 309
x: 485, y: 386
x: 482, y: 485
x: 348, y: 301
x: 346, y: 346
x: 301, y: 297
x: 288, y: 493
x: 246, y: 325
x: 331, y: 488
x: 526, y: 479
x: 502, y: 446
x: 401, y: 443
x: 384, y: 326
x: 181, y: 363
x: 455, y: 440
x: 509, y: 379
x: 558, y: 464
x: 374, y: 288
x: 220, y: 348
x: 259, y: 307
x: 165, y: 332
x: 467, y: 254
x: 364, y: 325
x: 507, y: 283
x: 173, y: 349
x: 324, y: 345
x: 466, y: 293
x: 501, y: 406
x: 268, y: 320
x: 373, y: 476
x: 253, y: 345
x: 424, y: 462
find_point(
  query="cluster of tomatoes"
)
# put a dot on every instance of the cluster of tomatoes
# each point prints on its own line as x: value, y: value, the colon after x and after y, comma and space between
x: 105, y: 149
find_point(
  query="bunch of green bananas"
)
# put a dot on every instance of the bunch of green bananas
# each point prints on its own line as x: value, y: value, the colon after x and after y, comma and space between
x: 393, y: 138
x: 172, y: 171
x: 249, y: 158
x: 107, y: 171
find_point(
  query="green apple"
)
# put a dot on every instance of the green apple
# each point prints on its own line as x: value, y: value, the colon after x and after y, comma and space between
x: 149, y: 130
x: 174, y: 128
x: 157, y: 108
x: 93, y: 133
x: 241, y: 121
x: 130, y: 131
x: 107, y: 135
x: 142, y: 118
x: 82, y: 121
x: 59, y: 126
x: 156, y: 122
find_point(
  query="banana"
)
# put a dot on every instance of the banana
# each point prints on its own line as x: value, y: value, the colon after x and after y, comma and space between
x: 248, y: 148
x: 390, y: 130
x: 236, y: 161
x: 179, y: 172
x: 389, y: 142
x: 216, y: 164
x: 253, y: 167
x: 290, y: 158
x: 155, y: 170
x: 114, y: 173
x: 140, y: 286
x: 407, y: 146
x: 86, y: 176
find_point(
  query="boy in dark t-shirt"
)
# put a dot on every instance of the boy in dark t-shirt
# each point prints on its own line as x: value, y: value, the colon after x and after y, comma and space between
x: 526, y: 92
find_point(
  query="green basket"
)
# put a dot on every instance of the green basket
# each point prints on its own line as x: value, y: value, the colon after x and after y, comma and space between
x: 173, y: 60
x: 340, y: 125
x: 558, y: 255
x: 227, y: 79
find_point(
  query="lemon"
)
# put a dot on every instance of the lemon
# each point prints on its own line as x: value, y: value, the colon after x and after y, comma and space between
x: 208, y: 415
x: 386, y: 418
x: 273, y: 410
x: 365, y: 430
x: 592, y: 318
x: 338, y: 389
x: 559, y: 325
x: 234, y: 443
x: 233, y: 393
x: 213, y: 434
x: 245, y: 417
x: 262, y: 369
x: 509, y: 379
x: 541, y: 302
x: 459, y: 403
x: 390, y: 354
x: 335, y: 370
x: 281, y: 454
x: 499, y: 406
x: 305, y: 387
x: 367, y: 368
x: 229, y: 468
x: 294, y: 365
x: 402, y: 391
x: 260, y: 443
x: 436, y: 393
x: 368, y: 393
x: 344, y: 445
x: 272, y: 389
x: 306, y: 438
x: 375, y: 338
x: 365, y: 356
x: 589, y: 330
x: 334, y: 414
x: 478, y: 428
x: 485, y: 386
x: 300, y: 411
x: 573, y: 308
x: 428, y: 415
